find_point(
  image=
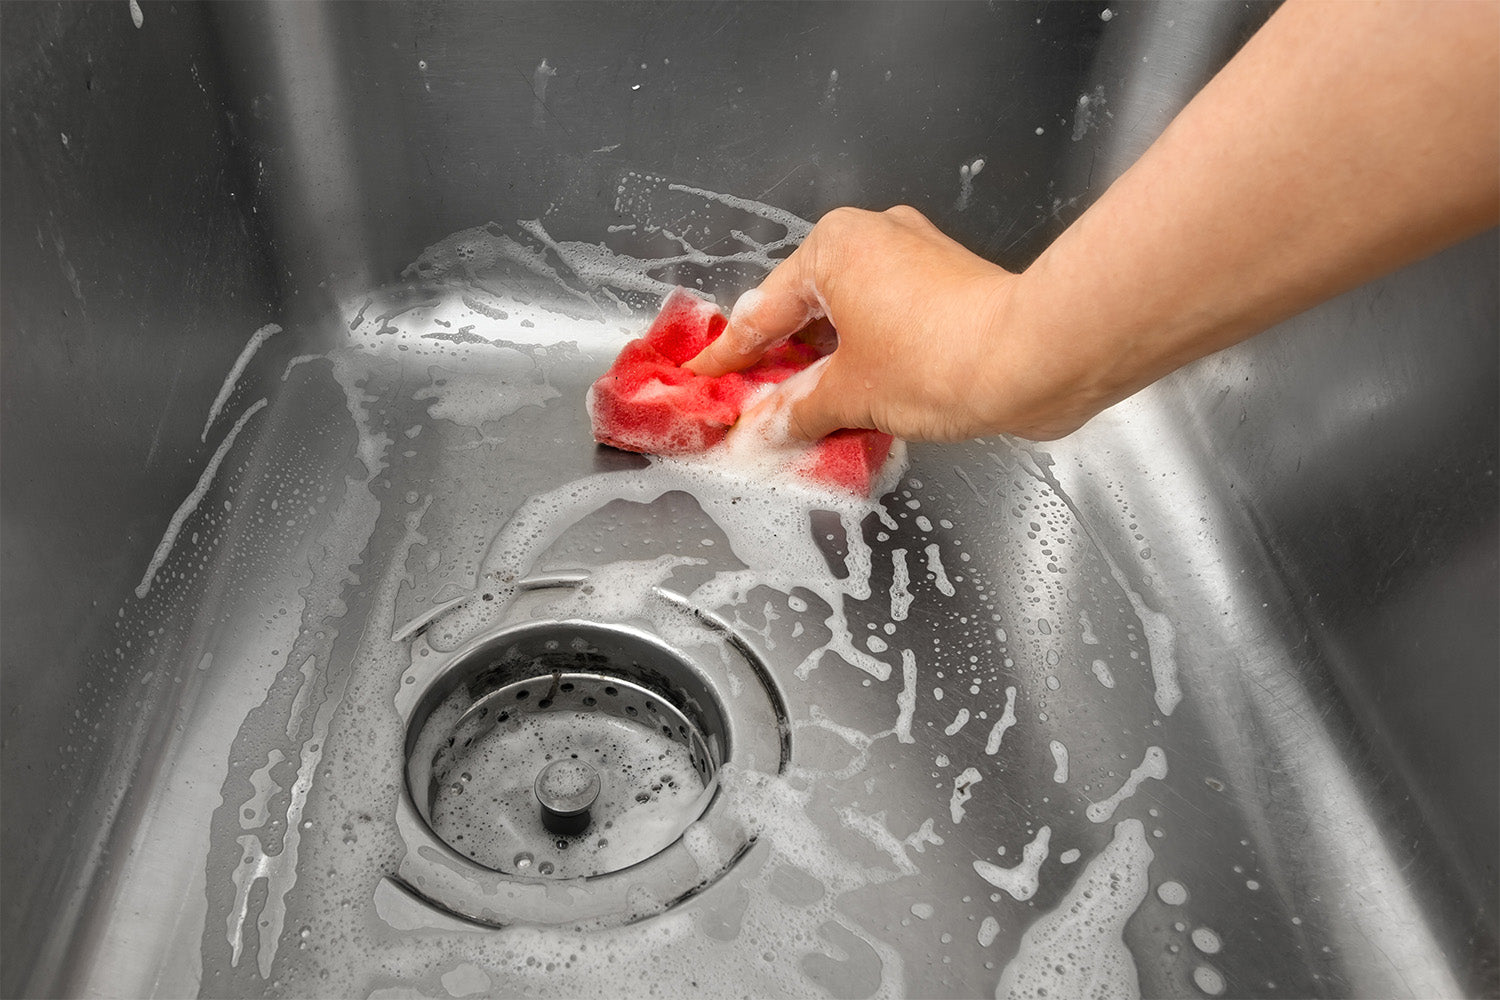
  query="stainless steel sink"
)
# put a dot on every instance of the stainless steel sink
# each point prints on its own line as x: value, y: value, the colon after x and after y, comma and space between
x: 305, y: 538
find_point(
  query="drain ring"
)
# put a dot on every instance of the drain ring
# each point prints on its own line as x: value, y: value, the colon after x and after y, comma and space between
x: 658, y: 718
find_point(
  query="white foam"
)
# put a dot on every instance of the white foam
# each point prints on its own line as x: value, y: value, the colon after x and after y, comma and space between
x: 1102, y: 674
x: 1161, y: 639
x: 474, y: 398
x: 963, y: 791
x: 257, y: 338
x: 465, y: 979
x: 1172, y: 893
x: 1078, y: 950
x: 766, y: 524
x: 1086, y: 629
x: 935, y: 567
x: 1059, y: 761
x: 989, y: 927
x: 959, y: 721
x: 593, y: 277
x: 901, y: 596
x: 1161, y: 635
x: 190, y: 504
x: 906, y: 701
x: 1088, y: 111
x: 796, y: 227
x: 298, y: 362
x: 1006, y: 720
x: 1208, y: 979
x: 1022, y: 880
x: 966, y: 174
x: 1152, y: 765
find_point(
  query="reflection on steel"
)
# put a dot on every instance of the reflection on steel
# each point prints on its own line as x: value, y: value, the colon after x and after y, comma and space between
x: 566, y: 790
x: 922, y: 732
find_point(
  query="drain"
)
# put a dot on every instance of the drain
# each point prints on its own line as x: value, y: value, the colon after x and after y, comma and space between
x: 569, y: 774
x: 566, y: 790
x: 579, y: 753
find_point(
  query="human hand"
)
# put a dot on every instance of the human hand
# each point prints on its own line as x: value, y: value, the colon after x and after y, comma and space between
x: 927, y: 349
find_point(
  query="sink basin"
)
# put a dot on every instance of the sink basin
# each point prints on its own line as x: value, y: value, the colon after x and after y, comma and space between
x: 312, y: 568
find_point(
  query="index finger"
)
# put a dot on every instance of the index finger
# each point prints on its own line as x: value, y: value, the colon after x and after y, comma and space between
x: 780, y: 306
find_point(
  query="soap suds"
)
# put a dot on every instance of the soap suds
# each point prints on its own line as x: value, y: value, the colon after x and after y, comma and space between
x: 906, y: 701
x: 473, y: 399
x: 1006, y: 720
x: 766, y: 526
x: 963, y: 791
x: 935, y: 567
x: 1208, y: 979
x: 1059, y: 761
x: 1102, y: 674
x: 959, y: 721
x: 1022, y: 880
x: 1206, y: 940
x: 1088, y: 112
x: 1152, y: 765
x: 1172, y: 893
x: 1088, y: 927
x: 164, y: 547
x: 1161, y: 635
x: 257, y: 338
x: 966, y: 174
x: 901, y: 596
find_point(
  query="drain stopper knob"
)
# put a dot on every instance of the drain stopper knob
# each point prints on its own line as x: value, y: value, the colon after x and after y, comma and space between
x: 566, y: 790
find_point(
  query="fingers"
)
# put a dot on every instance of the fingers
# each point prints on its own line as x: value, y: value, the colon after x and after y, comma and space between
x: 821, y: 405
x: 783, y: 304
x: 812, y: 418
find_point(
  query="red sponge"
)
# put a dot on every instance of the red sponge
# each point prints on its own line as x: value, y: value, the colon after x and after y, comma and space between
x: 648, y: 402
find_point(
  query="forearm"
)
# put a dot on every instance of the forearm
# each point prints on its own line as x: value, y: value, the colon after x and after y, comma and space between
x: 1344, y: 141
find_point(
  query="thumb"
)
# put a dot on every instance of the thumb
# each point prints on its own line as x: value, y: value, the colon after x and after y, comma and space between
x: 784, y: 303
x: 823, y: 404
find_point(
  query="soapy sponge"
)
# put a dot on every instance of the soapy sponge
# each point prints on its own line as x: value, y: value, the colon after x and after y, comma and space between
x: 647, y: 402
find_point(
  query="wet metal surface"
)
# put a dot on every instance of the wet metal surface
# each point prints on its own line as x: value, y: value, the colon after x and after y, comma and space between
x: 1200, y: 700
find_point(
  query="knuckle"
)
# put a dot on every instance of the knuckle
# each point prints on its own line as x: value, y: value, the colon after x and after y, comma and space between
x: 841, y: 221
x: 906, y: 215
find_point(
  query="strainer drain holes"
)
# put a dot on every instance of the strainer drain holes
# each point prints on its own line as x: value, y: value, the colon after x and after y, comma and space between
x: 631, y: 744
x: 504, y: 732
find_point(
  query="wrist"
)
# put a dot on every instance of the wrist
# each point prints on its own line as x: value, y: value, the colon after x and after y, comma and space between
x: 1052, y: 361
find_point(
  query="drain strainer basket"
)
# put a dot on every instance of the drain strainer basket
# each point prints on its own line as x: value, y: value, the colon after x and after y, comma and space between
x: 558, y: 753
